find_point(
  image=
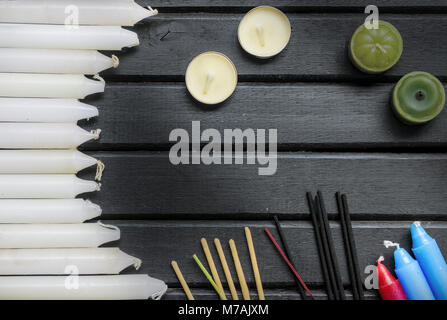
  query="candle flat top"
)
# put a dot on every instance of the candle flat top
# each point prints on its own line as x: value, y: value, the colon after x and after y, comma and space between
x: 264, y: 31
x: 211, y: 77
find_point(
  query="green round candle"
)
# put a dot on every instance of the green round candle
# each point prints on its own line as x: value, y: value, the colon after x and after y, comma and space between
x: 376, y: 50
x: 418, y: 97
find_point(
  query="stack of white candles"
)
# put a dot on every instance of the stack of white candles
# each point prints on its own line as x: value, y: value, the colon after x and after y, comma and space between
x: 48, y: 60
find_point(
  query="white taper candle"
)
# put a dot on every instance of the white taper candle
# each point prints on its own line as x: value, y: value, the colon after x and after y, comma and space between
x: 82, y: 235
x: 44, y: 186
x: 44, y: 110
x: 54, y: 61
x: 44, y: 161
x: 63, y: 37
x: 43, y: 135
x: 87, y: 12
x: 57, y: 261
x: 114, y: 287
x: 47, y: 210
x: 34, y: 85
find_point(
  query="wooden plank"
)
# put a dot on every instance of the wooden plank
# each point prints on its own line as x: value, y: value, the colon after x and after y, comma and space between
x: 317, y: 49
x: 307, y: 116
x: 270, y: 294
x: 146, y: 184
x: 159, y: 242
x: 323, y: 5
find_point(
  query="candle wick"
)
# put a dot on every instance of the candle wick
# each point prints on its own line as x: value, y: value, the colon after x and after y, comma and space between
x: 388, y: 244
x: 100, y: 166
x: 209, y: 79
x: 260, y: 32
x: 378, y: 45
x: 420, y: 95
x: 381, y: 258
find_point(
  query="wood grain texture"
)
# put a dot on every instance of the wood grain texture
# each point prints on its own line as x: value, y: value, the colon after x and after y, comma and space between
x: 317, y: 48
x: 293, y: 4
x: 159, y: 242
x: 307, y: 116
x: 378, y: 186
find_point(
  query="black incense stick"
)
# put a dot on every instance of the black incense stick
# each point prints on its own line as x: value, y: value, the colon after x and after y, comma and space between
x: 330, y: 242
x: 323, y: 262
x: 352, y: 275
x: 353, y: 247
x: 326, y: 249
x: 285, y: 245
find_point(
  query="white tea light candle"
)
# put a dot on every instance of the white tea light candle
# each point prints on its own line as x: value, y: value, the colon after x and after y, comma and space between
x: 44, y: 186
x: 264, y: 31
x: 44, y: 161
x: 47, y: 210
x: 211, y: 77
x: 33, y: 85
x: 56, y: 261
x: 55, y: 61
x: 43, y: 135
x: 114, y: 287
x: 90, y: 12
x: 83, y: 235
x: 61, y: 37
x: 45, y: 110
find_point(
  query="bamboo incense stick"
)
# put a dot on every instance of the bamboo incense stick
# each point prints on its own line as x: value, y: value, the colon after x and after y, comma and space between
x: 319, y: 241
x: 182, y: 280
x: 209, y: 277
x: 288, y: 262
x: 351, y: 270
x: 211, y: 264
x: 227, y: 272
x: 353, y: 247
x: 333, y: 257
x: 239, y: 271
x: 326, y: 250
x: 254, y: 263
x: 283, y: 240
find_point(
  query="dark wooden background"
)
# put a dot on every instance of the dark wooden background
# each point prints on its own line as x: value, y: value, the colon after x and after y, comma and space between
x: 335, y: 133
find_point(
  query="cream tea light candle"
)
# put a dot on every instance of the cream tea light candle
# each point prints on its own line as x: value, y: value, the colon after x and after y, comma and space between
x: 60, y: 37
x: 44, y: 110
x: 44, y: 186
x: 56, y: 261
x: 47, y: 210
x: 55, y: 61
x: 44, y: 135
x: 89, y: 12
x: 30, y: 236
x: 211, y: 77
x: 110, y: 287
x: 32, y: 85
x: 264, y: 31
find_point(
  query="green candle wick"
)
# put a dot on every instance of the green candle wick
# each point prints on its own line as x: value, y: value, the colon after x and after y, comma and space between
x: 378, y: 45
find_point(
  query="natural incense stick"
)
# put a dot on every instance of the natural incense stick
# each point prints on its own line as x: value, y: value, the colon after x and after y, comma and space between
x: 227, y: 272
x: 288, y: 262
x: 209, y: 277
x: 182, y: 280
x: 254, y: 263
x: 319, y: 241
x: 282, y: 238
x: 240, y: 272
x: 344, y: 230
x: 355, y: 259
x: 211, y: 264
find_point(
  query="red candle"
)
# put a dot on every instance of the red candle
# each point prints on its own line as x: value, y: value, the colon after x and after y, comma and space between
x: 389, y: 287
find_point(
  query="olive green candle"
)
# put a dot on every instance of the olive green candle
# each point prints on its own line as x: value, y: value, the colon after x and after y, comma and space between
x: 418, y: 97
x: 376, y: 50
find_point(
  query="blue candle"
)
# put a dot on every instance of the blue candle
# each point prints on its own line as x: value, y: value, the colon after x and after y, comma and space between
x: 410, y: 274
x: 431, y: 260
